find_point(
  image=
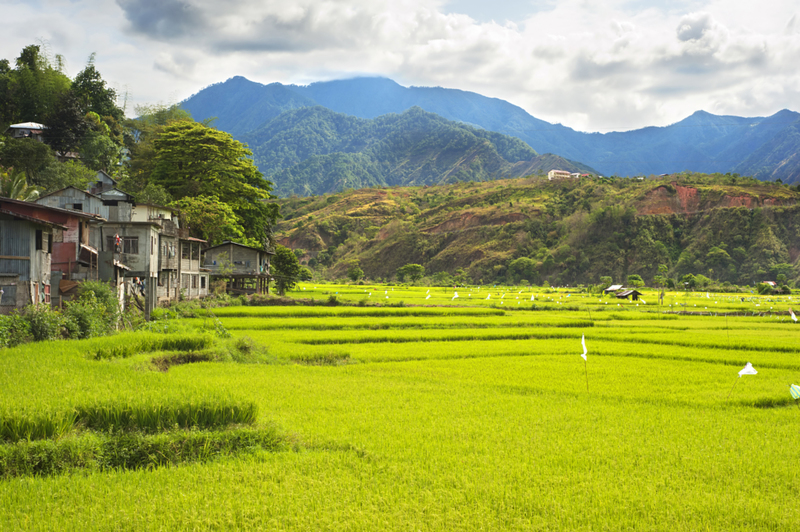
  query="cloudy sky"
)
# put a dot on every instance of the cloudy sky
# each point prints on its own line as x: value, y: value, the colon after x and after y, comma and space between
x: 591, y: 65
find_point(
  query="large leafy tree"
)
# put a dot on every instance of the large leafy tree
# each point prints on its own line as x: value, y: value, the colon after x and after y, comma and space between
x: 192, y: 159
x: 210, y: 219
x: 141, y: 133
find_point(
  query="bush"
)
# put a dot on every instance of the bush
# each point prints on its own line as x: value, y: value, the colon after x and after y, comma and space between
x: 44, y: 322
x: 87, y: 317
x: 14, y: 330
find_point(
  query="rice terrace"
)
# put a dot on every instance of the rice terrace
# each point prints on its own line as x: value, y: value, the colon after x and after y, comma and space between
x: 412, y: 408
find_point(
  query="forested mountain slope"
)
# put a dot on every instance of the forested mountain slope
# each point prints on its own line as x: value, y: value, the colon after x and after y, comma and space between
x: 727, y: 228
x: 702, y: 142
x: 313, y: 150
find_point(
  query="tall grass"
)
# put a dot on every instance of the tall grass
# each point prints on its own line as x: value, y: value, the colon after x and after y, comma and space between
x: 116, y: 349
x: 148, y: 416
x: 103, y: 452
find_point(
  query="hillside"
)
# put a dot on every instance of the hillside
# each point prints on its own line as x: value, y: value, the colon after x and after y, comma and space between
x: 313, y: 150
x: 727, y: 228
x: 702, y: 142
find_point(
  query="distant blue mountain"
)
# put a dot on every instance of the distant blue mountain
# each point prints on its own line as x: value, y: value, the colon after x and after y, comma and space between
x: 702, y: 142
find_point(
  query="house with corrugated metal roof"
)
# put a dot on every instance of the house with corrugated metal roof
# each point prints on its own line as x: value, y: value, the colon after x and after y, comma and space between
x: 26, y: 130
x: 148, y: 239
x: 74, y: 258
x: 26, y: 243
x: 247, y: 267
x: 625, y: 294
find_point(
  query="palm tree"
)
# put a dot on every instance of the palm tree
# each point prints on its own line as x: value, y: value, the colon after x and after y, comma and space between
x: 13, y: 185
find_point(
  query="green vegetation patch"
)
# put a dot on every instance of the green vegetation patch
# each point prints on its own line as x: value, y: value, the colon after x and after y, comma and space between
x: 112, y: 348
x: 102, y: 451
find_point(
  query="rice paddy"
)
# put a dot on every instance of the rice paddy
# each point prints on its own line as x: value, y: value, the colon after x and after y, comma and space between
x: 441, y: 413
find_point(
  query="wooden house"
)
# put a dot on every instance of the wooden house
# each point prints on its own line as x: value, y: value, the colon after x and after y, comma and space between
x: 247, y: 267
x: 27, y: 130
x: 26, y: 243
x: 625, y: 294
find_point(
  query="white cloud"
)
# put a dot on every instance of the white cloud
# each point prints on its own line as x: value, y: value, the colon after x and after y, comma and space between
x: 592, y: 66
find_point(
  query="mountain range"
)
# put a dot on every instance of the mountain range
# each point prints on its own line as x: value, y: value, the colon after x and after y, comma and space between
x: 765, y: 147
x: 313, y: 150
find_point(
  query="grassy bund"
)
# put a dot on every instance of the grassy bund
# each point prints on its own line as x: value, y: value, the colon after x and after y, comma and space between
x: 458, y: 414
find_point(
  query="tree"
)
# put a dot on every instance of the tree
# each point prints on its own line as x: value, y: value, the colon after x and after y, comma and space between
x: 605, y: 282
x: 33, y: 87
x: 354, y: 272
x: 522, y: 268
x: 66, y: 125
x: 13, y: 185
x: 153, y: 195
x: 285, y: 269
x: 782, y: 268
x: 27, y: 155
x: 210, y: 219
x: 141, y: 132
x: 192, y: 160
x: 91, y: 90
x: 56, y: 176
x: 635, y: 280
x: 414, y: 272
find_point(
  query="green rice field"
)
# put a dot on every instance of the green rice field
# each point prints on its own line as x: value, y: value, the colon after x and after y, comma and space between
x: 402, y: 411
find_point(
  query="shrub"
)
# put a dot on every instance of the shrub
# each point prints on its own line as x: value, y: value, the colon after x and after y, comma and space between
x: 45, y: 323
x: 14, y: 330
x: 87, y: 317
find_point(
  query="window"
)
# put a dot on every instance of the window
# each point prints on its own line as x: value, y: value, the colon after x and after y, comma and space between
x: 38, y: 239
x: 203, y: 282
x: 77, y: 206
x: 130, y: 244
x: 194, y: 281
x: 185, y: 250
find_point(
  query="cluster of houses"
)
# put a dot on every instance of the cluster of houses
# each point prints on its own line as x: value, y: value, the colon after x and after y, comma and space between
x: 48, y: 247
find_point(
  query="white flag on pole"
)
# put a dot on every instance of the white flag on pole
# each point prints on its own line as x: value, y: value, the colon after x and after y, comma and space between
x: 748, y: 370
x: 428, y: 297
x: 791, y: 312
x: 488, y: 296
x: 455, y: 296
x: 531, y: 297
x: 583, y: 343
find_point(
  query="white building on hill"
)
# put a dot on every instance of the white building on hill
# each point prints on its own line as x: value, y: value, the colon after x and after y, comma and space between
x: 558, y: 174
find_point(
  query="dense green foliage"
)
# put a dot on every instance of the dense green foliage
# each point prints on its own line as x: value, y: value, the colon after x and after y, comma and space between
x: 314, y: 150
x: 80, y: 116
x: 726, y: 228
